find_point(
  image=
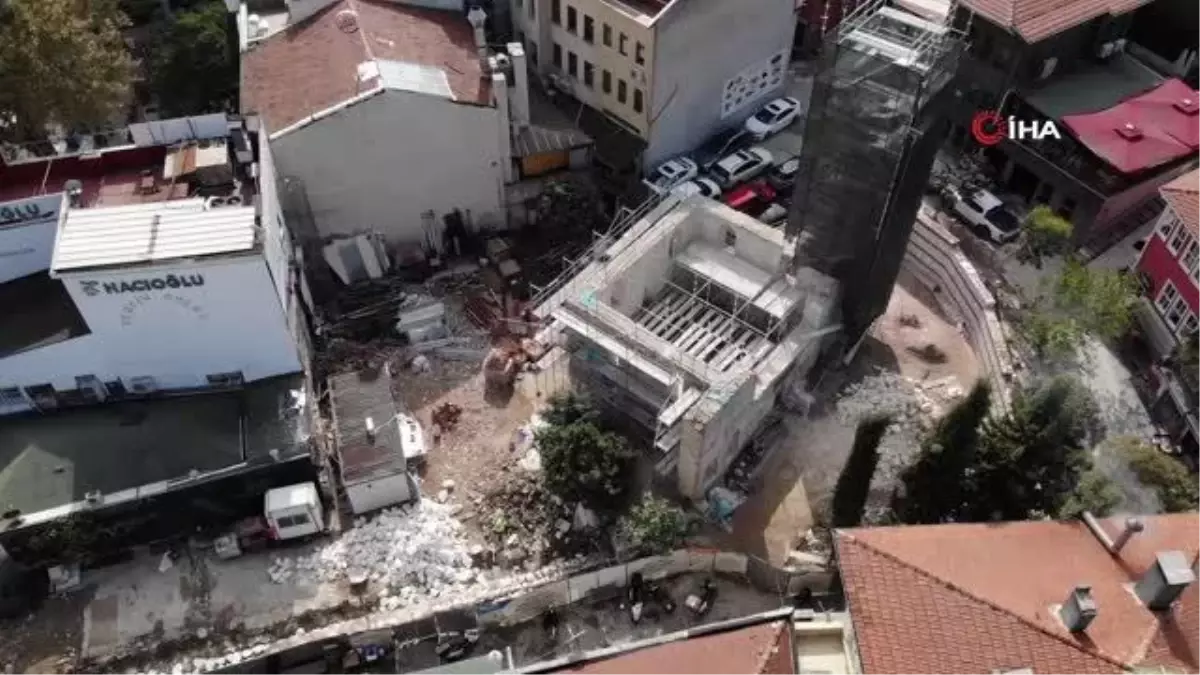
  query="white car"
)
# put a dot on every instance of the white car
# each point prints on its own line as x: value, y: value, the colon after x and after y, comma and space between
x: 672, y: 173
x: 773, y: 117
x: 986, y: 215
x: 697, y: 186
x: 741, y: 166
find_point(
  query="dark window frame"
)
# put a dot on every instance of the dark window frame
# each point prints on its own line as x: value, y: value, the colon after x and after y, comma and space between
x: 606, y: 81
x: 557, y: 56
x: 622, y: 91
x: 572, y: 20
x: 639, y: 54
x: 589, y: 74
x: 589, y: 30
x: 607, y: 35
x: 623, y: 44
x: 572, y: 64
x: 556, y: 12
x: 638, y: 103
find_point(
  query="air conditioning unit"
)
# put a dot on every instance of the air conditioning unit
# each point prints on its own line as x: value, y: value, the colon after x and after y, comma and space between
x: 1119, y: 45
x: 1106, y: 50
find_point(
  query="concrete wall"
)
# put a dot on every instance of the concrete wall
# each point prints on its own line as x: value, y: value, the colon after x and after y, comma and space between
x: 934, y: 258
x: 178, y: 335
x: 277, y: 241
x: 380, y: 164
x: 700, y: 45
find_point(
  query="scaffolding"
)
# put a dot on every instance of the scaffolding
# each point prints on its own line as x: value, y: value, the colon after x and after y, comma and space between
x: 875, y: 121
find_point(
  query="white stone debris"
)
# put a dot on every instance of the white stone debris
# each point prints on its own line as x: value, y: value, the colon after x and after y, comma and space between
x: 419, y: 548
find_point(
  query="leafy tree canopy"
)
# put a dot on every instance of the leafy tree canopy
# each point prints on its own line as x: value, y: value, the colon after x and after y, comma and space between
x: 580, y: 462
x: 61, y: 62
x: 653, y: 526
x: 1171, y: 482
x: 192, y: 67
x: 1046, y: 234
x: 1081, y: 301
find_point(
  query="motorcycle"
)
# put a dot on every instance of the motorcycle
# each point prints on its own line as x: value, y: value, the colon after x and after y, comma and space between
x: 454, y: 646
x: 662, y: 598
x: 635, y: 596
x: 701, y: 603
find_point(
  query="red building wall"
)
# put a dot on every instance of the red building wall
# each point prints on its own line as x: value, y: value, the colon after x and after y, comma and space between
x: 1161, y: 265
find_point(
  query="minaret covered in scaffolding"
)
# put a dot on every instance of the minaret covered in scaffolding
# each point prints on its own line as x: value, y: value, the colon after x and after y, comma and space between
x: 876, y: 120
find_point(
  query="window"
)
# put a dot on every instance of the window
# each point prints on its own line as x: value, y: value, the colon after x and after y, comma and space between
x: 607, y: 35
x: 1166, y: 226
x: 1190, y: 258
x: 555, y: 12
x: 292, y: 521
x: 637, y: 100
x: 533, y: 53
x: 620, y: 91
x: 589, y: 74
x: 520, y: 37
x: 1187, y: 326
x: 621, y: 45
x: 1179, y: 240
x: 589, y: 29
x: 639, y: 54
x: 230, y: 379
x: 533, y: 9
x: 1166, y: 298
x: 557, y: 55
x: 606, y: 82
x: 572, y: 20
x: 11, y: 396
x: 572, y: 64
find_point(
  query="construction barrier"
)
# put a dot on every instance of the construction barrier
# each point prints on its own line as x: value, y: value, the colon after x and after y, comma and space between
x: 935, y: 258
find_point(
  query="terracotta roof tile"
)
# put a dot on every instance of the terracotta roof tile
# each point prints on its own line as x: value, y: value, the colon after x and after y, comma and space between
x: 1183, y: 194
x: 1036, y: 20
x: 983, y: 597
x: 764, y: 648
x: 313, y: 65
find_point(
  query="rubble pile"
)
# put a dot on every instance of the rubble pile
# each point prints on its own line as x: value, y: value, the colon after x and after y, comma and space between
x: 524, y: 525
x: 415, y: 548
x: 914, y: 406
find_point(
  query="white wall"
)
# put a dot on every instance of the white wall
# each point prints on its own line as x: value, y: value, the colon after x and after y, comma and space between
x: 700, y: 45
x: 27, y: 229
x: 178, y: 335
x: 378, y: 493
x: 379, y: 164
x: 277, y: 242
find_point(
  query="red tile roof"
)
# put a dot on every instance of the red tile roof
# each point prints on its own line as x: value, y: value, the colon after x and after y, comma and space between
x: 1036, y: 20
x: 313, y: 65
x: 764, y: 648
x: 1183, y: 194
x: 983, y: 597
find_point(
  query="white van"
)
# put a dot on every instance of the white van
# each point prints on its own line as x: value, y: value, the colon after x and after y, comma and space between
x: 294, y: 511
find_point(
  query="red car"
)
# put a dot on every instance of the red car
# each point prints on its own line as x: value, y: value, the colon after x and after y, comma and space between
x: 751, y: 198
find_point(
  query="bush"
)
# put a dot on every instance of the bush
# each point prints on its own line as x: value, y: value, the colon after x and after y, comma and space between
x: 654, y: 526
x: 1176, y: 489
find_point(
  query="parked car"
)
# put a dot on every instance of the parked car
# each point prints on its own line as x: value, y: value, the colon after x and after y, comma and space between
x: 720, y: 145
x: 773, y: 117
x: 740, y: 166
x: 697, y: 186
x: 671, y: 173
x: 783, y: 175
x: 752, y: 198
x: 774, y: 214
x: 987, y: 216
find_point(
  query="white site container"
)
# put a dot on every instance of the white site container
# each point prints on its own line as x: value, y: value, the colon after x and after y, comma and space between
x: 294, y: 511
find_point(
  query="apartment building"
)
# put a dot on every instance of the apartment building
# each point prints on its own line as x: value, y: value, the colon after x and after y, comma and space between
x: 669, y: 73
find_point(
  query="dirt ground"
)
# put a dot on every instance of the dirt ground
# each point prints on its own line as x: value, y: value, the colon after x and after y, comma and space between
x: 478, y: 453
x: 800, y: 474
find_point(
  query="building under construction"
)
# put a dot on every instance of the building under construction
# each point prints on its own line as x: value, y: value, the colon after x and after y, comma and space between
x: 875, y: 122
x: 689, y: 318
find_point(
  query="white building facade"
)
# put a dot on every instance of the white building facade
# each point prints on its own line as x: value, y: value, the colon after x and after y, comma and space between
x: 671, y: 72
x: 178, y: 294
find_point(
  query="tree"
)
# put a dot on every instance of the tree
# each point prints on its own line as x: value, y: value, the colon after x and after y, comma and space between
x: 1096, y: 493
x: 1081, y: 301
x: 854, y: 484
x: 568, y: 408
x: 935, y: 485
x: 1031, y: 460
x: 653, y: 526
x: 582, y: 463
x: 1047, y: 234
x: 1170, y: 480
x: 61, y: 62
x: 192, y: 67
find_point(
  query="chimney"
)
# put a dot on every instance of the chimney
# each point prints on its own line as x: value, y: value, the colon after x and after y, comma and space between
x: 1079, y: 610
x: 478, y: 18
x: 1164, y: 581
x: 1132, y: 527
x: 370, y: 424
x: 520, y: 85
